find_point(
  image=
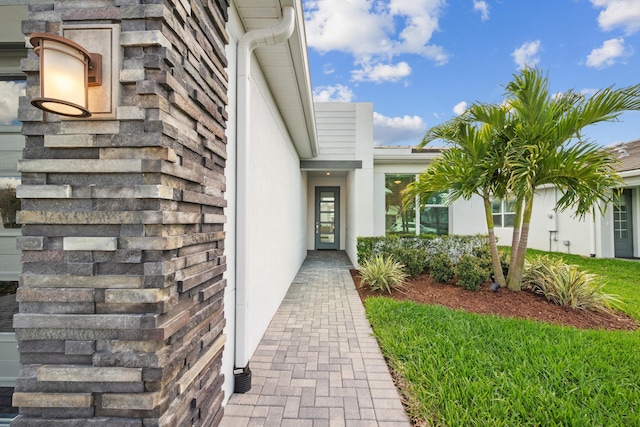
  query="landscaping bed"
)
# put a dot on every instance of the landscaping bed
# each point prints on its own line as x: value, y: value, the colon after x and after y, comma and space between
x: 523, y: 304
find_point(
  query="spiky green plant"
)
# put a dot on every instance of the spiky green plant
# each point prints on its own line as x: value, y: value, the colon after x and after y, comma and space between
x: 566, y: 285
x: 382, y: 273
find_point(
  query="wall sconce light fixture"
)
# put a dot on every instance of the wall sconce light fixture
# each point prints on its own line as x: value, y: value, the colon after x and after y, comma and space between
x: 66, y: 71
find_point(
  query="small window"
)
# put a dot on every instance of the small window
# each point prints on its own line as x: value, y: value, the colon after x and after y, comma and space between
x: 9, y: 203
x: 11, y: 89
x: 434, y: 217
x: 504, y: 212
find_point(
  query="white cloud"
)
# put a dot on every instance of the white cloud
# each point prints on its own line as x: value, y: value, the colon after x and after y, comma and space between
x: 375, y: 31
x: 619, y: 13
x: 337, y: 93
x: 460, y: 108
x: 347, y: 26
x: 379, y: 73
x: 608, y: 54
x: 10, y: 91
x: 397, y: 130
x: 482, y: 7
x: 587, y: 91
x: 328, y: 69
x: 527, y: 54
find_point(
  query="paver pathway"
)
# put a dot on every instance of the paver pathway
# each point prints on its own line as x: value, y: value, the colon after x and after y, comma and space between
x: 318, y: 363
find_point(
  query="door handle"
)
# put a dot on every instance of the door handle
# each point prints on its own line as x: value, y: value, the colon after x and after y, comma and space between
x: 317, y: 227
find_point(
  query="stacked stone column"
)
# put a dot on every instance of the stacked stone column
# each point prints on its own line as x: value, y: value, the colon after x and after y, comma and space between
x: 121, y: 296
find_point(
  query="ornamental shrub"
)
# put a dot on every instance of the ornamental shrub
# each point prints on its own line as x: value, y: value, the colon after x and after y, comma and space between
x: 483, y: 257
x: 365, y: 248
x: 471, y: 272
x: 382, y: 273
x: 453, y: 245
x: 566, y: 285
x: 414, y: 259
x: 441, y: 267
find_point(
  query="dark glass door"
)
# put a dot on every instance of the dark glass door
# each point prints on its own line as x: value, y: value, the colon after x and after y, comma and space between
x: 623, y: 226
x: 327, y: 226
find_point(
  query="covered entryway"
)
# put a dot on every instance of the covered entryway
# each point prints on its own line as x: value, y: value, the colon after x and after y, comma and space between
x: 623, y: 225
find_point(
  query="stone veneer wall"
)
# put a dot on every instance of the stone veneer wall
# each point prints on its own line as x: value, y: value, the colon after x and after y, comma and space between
x: 121, y: 296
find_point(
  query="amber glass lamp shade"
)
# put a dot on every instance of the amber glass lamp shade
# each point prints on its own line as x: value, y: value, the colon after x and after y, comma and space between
x: 64, y: 67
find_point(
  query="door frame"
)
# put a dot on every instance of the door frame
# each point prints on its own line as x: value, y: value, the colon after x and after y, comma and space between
x: 336, y: 243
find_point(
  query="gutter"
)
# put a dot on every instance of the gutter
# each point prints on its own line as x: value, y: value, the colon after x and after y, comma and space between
x: 248, y: 43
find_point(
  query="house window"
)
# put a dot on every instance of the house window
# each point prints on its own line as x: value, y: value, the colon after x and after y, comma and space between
x: 504, y: 212
x: 433, y: 218
x: 11, y: 89
x: 398, y: 221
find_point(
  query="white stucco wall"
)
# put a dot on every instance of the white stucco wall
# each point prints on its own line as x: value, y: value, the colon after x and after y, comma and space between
x: 589, y: 236
x: 276, y: 209
x: 467, y: 217
x: 360, y: 183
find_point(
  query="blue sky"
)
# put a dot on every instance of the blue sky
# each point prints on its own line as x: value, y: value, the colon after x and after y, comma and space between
x: 421, y: 61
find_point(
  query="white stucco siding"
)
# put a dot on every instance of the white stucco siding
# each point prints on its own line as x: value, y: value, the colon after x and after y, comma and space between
x: 360, y: 218
x: 604, y: 231
x: 554, y: 231
x: 466, y: 217
x: 378, y: 203
x: 276, y: 206
x: 360, y: 183
x: 276, y: 212
x: 636, y: 221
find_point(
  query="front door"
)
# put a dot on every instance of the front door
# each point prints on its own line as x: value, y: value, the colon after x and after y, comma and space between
x: 327, y: 218
x: 622, y: 226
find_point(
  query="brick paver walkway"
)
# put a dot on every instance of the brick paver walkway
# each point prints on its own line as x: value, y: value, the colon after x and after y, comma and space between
x: 318, y: 364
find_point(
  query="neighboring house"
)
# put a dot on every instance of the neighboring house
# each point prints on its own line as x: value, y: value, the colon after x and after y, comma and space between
x: 160, y: 237
x: 614, y: 234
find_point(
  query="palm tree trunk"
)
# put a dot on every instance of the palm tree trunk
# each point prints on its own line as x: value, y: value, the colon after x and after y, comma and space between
x: 515, y: 275
x: 515, y: 238
x: 493, y: 246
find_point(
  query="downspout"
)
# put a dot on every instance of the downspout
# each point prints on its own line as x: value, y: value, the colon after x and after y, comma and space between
x: 593, y: 235
x: 248, y: 43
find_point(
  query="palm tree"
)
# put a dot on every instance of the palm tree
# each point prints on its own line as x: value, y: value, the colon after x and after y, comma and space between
x: 546, y: 148
x: 531, y: 140
x: 473, y: 164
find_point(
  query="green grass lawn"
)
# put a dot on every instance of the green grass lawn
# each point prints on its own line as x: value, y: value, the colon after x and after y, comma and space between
x: 463, y: 369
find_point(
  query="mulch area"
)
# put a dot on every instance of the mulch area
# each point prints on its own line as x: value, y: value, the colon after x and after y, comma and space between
x: 507, y: 303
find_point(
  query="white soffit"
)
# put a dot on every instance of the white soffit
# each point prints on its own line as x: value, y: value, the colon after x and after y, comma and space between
x: 405, y: 155
x: 286, y: 69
